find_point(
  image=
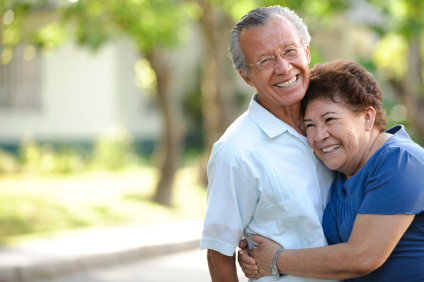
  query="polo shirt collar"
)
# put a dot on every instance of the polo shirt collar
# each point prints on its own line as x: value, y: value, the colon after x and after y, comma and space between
x: 270, y: 124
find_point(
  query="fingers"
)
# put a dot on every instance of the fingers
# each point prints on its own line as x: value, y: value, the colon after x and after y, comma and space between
x: 243, y: 244
x: 243, y: 256
x: 249, y: 270
x: 257, y: 238
x: 247, y: 263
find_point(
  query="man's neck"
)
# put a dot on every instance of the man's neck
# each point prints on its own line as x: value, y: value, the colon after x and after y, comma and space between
x: 291, y: 115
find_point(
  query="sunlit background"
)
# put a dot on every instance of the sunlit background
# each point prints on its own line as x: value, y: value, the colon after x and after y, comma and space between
x: 109, y: 108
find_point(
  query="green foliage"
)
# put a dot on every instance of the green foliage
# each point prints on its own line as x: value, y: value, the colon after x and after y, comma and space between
x: 404, y: 24
x: 40, y: 204
x: 8, y: 163
x: 49, y: 36
x: 114, y: 150
x: 43, y: 159
x: 313, y: 8
x: 148, y: 23
x: 23, y: 214
x: 316, y: 56
x: 405, y: 17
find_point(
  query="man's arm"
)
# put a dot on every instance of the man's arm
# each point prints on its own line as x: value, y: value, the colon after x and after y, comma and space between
x: 222, y: 267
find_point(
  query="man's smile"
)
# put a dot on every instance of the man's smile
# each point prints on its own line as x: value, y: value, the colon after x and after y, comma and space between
x: 288, y: 83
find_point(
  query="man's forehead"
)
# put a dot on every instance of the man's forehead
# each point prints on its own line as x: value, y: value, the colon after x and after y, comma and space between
x: 282, y: 26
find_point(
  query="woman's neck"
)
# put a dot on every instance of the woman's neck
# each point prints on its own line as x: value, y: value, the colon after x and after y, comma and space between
x: 377, y: 139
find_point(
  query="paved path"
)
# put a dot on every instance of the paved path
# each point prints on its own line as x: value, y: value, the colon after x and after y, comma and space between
x: 87, y: 249
x: 189, y: 266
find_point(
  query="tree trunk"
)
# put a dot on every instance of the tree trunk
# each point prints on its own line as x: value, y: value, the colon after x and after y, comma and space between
x: 170, y: 149
x: 411, y: 86
x: 218, y: 101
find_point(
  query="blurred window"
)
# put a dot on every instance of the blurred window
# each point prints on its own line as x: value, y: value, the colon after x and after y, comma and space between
x: 20, y: 79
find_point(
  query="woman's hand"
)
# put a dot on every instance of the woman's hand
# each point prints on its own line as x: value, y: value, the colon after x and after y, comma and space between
x: 263, y: 254
x: 246, y: 262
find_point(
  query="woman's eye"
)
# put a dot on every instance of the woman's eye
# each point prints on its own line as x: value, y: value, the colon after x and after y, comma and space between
x: 309, y: 125
x: 329, y: 119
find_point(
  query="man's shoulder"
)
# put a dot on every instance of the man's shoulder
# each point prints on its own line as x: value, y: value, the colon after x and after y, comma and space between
x: 238, y: 141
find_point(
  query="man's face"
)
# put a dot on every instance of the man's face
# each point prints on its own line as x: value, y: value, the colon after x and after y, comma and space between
x: 285, y: 83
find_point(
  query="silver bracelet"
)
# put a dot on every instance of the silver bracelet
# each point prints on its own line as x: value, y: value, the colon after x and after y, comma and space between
x: 274, y: 269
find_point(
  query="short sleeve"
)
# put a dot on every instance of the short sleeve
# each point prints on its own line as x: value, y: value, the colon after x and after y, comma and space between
x: 231, y: 205
x: 395, y: 183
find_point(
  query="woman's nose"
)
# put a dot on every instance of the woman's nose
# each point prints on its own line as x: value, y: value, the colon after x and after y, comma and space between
x: 321, y: 134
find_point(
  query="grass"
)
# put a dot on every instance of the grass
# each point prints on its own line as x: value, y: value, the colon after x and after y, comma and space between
x: 41, y: 205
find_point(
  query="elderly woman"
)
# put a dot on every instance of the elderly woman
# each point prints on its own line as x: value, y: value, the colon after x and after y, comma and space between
x: 373, y: 222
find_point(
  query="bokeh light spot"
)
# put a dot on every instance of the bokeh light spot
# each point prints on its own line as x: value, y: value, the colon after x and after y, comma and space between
x: 145, y: 76
x: 398, y: 113
x: 8, y: 17
x: 29, y: 53
x: 6, y: 56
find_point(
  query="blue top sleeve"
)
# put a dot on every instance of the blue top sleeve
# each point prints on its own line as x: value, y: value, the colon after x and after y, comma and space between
x: 396, y: 184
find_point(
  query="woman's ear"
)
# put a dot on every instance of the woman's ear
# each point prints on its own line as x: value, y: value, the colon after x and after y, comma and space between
x: 370, y: 114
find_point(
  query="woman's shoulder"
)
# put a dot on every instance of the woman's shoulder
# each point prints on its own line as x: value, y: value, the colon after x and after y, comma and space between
x: 399, y: 147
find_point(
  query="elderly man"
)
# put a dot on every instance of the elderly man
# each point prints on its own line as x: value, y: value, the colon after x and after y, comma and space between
x: 263, y: 177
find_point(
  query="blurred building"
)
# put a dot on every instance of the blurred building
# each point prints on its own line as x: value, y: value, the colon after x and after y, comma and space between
x: 73, y: 95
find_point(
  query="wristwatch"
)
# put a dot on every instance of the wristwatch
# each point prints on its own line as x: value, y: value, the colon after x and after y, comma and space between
x: 274, y: 268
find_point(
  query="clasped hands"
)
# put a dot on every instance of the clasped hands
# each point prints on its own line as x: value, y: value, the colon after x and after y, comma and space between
x: 257, y: 261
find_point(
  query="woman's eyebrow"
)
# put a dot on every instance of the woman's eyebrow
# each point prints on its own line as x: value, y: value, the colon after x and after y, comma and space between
x: 323, y: 115
x: 305, y: 120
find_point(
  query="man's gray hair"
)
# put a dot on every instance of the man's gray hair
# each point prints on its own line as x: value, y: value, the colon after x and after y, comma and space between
x: 257, y: 18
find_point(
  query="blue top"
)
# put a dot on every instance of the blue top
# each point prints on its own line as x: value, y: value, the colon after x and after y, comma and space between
x: 391, y: 182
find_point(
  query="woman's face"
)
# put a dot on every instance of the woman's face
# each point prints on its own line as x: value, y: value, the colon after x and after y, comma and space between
x: 338, y: 136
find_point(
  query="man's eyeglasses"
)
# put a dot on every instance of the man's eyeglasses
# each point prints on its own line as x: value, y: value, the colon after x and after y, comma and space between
x: 268, y: 61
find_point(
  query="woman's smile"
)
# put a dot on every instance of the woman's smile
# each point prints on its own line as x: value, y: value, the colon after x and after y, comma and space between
x: 331, y: 148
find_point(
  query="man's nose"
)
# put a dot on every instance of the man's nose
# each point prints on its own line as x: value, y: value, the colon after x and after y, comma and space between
x: 282, y: 66
x: 321, y: 134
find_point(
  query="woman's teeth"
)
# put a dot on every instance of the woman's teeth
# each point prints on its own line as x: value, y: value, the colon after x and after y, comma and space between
x: 288, y: 83
x: 329, y: 149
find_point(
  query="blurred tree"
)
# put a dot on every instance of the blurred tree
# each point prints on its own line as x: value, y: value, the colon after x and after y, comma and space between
x: 217, y: 85
x: 400, y: 52
x: 155, y: 26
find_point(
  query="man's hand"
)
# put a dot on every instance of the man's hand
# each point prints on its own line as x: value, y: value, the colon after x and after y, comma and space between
x: 246, y: 262
x: 263, y: 254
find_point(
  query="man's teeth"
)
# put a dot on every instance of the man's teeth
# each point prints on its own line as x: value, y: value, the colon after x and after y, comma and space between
x: 329, y: 149
x: 288, y: 83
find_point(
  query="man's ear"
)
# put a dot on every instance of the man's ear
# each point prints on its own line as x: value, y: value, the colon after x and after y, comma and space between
x: 308, y: 54
x: 370, y: 114
x: 246, y: 78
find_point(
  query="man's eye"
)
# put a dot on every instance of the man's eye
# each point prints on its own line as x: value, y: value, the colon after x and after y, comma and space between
x: 329, y: 119
x: 309, y: 125
x: 266, y: 60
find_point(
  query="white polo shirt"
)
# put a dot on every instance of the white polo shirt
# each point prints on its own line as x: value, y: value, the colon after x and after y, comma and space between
x: 264, y: 179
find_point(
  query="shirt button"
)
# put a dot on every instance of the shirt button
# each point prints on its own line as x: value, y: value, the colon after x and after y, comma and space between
x: 317, y: 166
x: 322, y: 208
x: 290, y: 220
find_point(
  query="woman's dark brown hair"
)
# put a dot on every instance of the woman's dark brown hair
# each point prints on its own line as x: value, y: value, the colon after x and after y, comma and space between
x: 348, y: 83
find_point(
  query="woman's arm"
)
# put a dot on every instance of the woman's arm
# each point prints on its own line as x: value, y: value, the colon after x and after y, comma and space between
x: 372, y: 240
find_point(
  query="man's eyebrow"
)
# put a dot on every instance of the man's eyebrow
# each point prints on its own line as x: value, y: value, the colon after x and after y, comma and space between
x: 305, y: 120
